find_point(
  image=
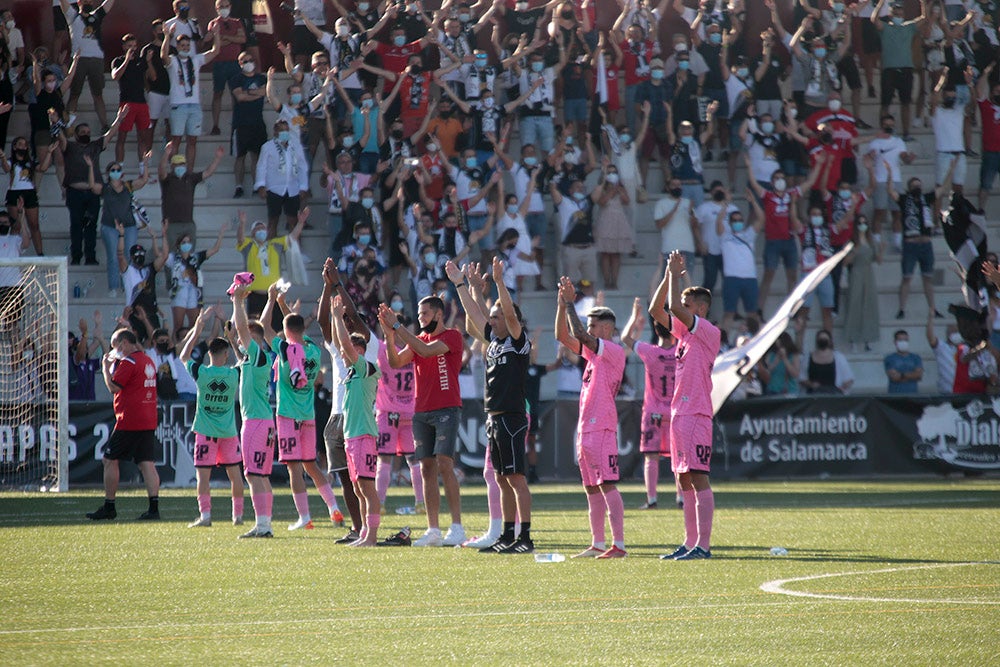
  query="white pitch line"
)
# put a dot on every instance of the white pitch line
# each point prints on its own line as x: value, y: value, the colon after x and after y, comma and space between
x: 778, y: 585
x: 383, y: 619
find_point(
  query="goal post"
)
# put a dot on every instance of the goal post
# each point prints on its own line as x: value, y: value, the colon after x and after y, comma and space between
x: 34, y: 374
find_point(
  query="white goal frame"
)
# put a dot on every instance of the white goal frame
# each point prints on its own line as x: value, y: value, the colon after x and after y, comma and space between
x: 60, y: 302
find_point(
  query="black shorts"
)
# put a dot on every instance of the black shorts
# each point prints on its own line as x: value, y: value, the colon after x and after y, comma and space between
x: 137, y: 446
x: 871, y: 41
x: 304, y: 43
x: 30, y: 198
x: 848, y: 70
x: 849, y: 170
x: 897, y: 79
x: 506, y: 435
x: 534, y: 423
x: 247, y: 139
x: 278, y: 204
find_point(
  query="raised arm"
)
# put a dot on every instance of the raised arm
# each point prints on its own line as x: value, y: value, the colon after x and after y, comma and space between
x: 675, y: 269
x: 505, y: 300
x: 475, y: 318
x: 633, y: 328
x: 577, y: 330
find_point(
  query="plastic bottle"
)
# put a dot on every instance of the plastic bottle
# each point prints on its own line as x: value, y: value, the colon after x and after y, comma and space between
x: 779, y: 551
x: 549, y: 558
x: 76, y: 290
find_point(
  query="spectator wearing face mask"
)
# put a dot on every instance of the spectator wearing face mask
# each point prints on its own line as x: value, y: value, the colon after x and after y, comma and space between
x: 826, y: 371
x: 903, y: 368
x: 351, y: 254
x: 947, y: 117
x: 945, y: 350
x: 897, y: 58
x: 138, y: 278
x: 184, y: 70
x: 178, y: 181
x: 861, y: 324
x: 739, y: 268
x: 263, y: 256
x: 613, y: 232
x: 706, y: 215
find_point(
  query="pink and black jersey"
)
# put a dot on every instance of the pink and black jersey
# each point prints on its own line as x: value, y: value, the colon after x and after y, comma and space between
x: 601, y: 379
x: 697, y: 349
x: 395, y: 386
x: 660, y: 365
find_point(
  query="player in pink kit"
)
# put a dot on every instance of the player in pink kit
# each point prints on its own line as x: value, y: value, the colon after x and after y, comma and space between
x: 394, y: 415
x: 691, y: 408
x: 660, y: 362
x: 597, y: 428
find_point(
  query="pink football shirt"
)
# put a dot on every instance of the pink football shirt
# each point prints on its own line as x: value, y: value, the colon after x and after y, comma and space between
x: 601, y: 379
x: 395, y: 385
x: 696, y: 353
x: 660, y: 366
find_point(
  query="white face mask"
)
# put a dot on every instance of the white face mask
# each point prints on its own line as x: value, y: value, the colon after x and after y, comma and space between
x: 903, y: 345
x: 834, y: 105
x: 954, y: 338
x: 224, y: 12
x: 780, y: 184
x: 343, y: 30
x: 248, y: 67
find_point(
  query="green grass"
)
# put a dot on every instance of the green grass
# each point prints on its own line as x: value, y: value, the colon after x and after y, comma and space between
x: 72, y: 592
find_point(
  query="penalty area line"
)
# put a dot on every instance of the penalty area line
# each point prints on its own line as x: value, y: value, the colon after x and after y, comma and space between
x: 777, y: 586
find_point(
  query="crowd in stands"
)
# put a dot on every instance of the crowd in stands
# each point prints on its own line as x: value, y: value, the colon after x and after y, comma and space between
x: 406, y: 115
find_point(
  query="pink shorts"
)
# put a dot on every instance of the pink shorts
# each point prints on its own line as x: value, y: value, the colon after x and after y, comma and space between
x: 361, y: 457
x: 655, y: 436
x: 210, y: 452
x: 395, y: 433
x: 258, y: 446
x: 296, y: 440
x: 691, y: 443
x: 598, y: 454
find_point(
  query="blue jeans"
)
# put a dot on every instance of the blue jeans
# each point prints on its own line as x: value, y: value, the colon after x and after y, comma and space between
x: 368, y: 163
x: 535, y: 222
x: 695, y: 192
x: 110, y: 236
x: 539, y: 131
x: 477, y: 222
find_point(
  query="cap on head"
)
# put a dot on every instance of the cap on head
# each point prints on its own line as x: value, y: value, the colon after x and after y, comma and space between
x: 178, y: 159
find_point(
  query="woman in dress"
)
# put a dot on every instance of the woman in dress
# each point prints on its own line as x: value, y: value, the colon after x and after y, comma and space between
x: 613, y: 233
x: 861, y: 326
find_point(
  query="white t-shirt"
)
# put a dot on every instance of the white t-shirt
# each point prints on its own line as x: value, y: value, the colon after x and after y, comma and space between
x: 706, y: 215
x: 185, y: 77
x: 944, y: 354
x: 521, y: 267
x: 10, y: 248
x: 338, y: 371
x: 736, y: 90
x: 521, y: 177
x: 947, y: 123
x: 82, y: 37
x: 737, y: 253
x: 677, y: 235
x: 15, y: 40
x: 182, y: 29
x: 889, y: 149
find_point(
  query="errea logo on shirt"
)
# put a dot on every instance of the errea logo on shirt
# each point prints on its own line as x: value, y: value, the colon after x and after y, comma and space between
x: 150, y: 373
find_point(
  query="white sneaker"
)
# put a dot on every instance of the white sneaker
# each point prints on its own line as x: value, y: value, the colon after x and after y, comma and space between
x: 484, y: 541
x: 430, y: 538
x: 455, y: 536
x: 113, y: 294
x: 302, y: 523
x: 201, y: 522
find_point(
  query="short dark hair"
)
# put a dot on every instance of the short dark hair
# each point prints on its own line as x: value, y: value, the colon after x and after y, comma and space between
x: 660, y: 330
x: 218, y: 344
x: 159, y: 332
x: 294, y: 323
x: 358, y: 339
x: 899, y: 332
x: 601, y: 314
x: 433, y: 302
x: 698, y: 293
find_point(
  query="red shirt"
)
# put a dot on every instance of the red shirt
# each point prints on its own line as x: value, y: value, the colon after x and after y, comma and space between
x: 631, y: 61
x: 435, y: 165
x: 414, y: 108
x: 991, y: 125
x: 962, y: 383
x: 437, y: 377
x: 777, y: 214
x: 612, y: 76
x: 227, y: 28
x: 135, y: 404
x: 838, y: 210
x: 844, y: 129
x: 396, y: 58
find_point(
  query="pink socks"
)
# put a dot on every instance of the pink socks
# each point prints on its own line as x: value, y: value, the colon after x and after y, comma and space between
x: 261, y: 504
x: 302, y: 505
x: 416, y: 480
x: 597, y: 507
x: 705, y: 511
x: 238, y: 507
x: 690, y: 518
x: 651, y: 473
x: 616, y: 516
x: 383, y: 471
x: 326, y: 493
x: 204, y: 504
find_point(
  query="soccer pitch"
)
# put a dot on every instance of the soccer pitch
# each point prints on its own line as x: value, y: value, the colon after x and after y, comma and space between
x: 885, y: 573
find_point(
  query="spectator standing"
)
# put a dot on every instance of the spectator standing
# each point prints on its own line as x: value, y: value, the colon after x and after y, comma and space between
x: 780, y: 370
x: 988, y: 98
x: 613, y: 233
x: 249, y: 133
x: 674, y: 217
x: 739, y: 268
x: 231, y: 35
x: 186, y: 280
x: 945, y: 351
x: 897, y: 58
x: 888, y: 150
x: 920, y: 221
x: 177, y: 187
x: 184, y: 70
x: 903, y: 368
x: 263, y: 256
x: 861, y: 323
x: 158, y: 80
x: 84, y: 365
x: 83, y: 204
x: 282, y: 177
x: 132, y: 72
x: 85, y: 23
x: 706, y: 215
x: 576, y: 229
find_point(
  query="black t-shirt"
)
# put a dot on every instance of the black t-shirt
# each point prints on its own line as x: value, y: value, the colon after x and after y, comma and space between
x: 161, y: 85
x: 241, y: 9
x: 39, y: 111
x: 132, y: 83
x: 769, y: 86
x: 413, y: 25
x: 533, y: 386
x: 523, y: 23
x: 507, y: 363
x: 713, y: 78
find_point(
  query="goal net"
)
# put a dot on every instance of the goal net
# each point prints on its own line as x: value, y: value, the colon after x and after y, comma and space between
x: 34, y: 365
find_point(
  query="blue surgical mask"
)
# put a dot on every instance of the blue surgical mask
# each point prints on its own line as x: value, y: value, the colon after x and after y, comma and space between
x: 767, y: 127
x: 819, y: 53
x: 715, y: 38
x: 537, y: 66
x: 367, y: 103
x: 737, y: 226
x: 471, y: 162
x: 115, y: 174
x: 656, y: 74
x: 364, y: 239
x: 816, y: 220
x: 260, y: 235
x: 180, y: 170
x: 897, y: 20
x: 742, y: 72
x: 367, y: 202
x: 296, y: 99
x: 530, y: 161
x: 838, y: 7
x: 845, y: 194
x: 399, y: 40
x: 579, y: 196
x: 284, y: 136
x: 687, y: 139
x: 684, y: 64
x: 186, y: 247
x: 569, y: 141
x: 512, y: 209
x: 397, y: 305
x: 430, y: 259
x: 625, y: 137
